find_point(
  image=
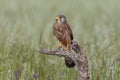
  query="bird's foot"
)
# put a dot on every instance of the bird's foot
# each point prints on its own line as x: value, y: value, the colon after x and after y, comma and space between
x: 66, y: 49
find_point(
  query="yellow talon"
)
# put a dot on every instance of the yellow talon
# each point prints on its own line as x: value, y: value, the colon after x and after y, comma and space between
x: 60, y: 45
x: 67, y: 47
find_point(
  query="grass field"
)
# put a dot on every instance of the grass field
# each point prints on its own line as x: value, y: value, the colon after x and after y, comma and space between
x: 26, y: 26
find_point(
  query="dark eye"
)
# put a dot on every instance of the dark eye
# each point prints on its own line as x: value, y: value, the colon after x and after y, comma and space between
x: 60, y: 17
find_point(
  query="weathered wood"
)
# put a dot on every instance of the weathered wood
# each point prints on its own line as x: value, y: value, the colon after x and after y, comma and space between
x: 80, y: 59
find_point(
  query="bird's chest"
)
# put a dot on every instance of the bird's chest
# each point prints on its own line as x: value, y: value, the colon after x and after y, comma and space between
x: 59, y: 32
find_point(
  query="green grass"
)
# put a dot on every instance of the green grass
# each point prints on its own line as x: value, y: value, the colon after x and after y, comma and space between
x: 26, y: 26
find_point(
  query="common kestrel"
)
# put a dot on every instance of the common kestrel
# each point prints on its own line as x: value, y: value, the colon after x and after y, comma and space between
x: 63, y: 32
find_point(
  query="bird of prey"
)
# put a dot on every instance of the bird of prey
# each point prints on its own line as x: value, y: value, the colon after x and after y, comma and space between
x: 63, y: 32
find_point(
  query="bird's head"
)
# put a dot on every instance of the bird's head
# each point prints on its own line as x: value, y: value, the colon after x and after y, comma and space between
x: 61, y: 19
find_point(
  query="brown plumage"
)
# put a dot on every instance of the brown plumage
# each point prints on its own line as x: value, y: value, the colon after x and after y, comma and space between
x: 63, y: 32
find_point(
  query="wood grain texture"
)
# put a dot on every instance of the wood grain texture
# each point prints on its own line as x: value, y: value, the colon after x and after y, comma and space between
x: 79, y: 58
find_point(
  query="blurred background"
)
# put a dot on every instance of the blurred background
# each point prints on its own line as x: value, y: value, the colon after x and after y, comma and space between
x: 26, y: 26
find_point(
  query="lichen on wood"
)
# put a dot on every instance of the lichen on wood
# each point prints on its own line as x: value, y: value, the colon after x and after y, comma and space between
x: 79, y: 58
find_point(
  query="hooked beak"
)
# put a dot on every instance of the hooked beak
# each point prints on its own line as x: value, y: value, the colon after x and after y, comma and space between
x: 57, y: 18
